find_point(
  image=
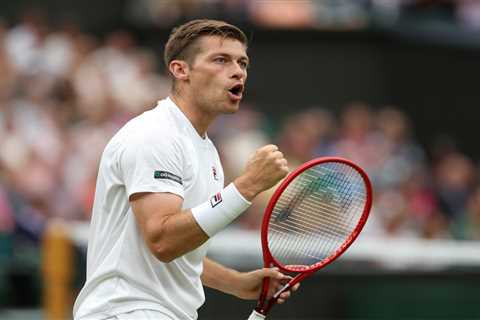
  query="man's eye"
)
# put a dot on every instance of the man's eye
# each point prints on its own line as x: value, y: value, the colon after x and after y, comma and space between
x: 243, y: 64
x: 220, y: 60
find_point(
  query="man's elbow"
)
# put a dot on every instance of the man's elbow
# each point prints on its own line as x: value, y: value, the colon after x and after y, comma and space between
x: 158, y: 242
x: 164, y: 253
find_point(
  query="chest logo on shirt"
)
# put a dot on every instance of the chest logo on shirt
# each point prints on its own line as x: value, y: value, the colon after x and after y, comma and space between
x: 214, y: 172
x: 216, y: 199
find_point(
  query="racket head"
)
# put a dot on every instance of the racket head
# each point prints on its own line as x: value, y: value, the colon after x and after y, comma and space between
x: 270, y: 259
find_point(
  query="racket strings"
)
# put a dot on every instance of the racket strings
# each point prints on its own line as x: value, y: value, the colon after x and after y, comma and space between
x: 316, y: 214
x: 329, y: 232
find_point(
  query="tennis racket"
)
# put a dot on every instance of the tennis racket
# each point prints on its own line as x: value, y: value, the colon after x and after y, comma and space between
x: 312, y: 218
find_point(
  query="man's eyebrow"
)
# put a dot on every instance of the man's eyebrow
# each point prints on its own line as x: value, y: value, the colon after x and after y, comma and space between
x: 245, y: 58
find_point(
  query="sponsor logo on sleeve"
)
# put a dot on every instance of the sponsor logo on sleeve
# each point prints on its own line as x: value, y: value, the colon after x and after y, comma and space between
x: 216, y: 199
x: 167, y: 175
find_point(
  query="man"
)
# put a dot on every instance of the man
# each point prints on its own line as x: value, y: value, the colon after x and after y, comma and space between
x: 160, y: 193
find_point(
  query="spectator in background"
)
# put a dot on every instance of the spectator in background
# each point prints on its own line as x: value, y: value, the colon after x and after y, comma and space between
x: 410, y: 209
x: 282, y: 14
x: 400, y: 155
x: 327, y: 129
x: 165, y: 13
x: 58, y: 50
x: 467, y: 225
x: 116, y: 55
x: 6, y: 213
x: 7, y: 80
x: 303, y: 134
x: 142, y: 86
x: 454, y: 180
x: 341, y: 14
x: 468, y: 13
x: 357, y: 139
x: 24, y: 43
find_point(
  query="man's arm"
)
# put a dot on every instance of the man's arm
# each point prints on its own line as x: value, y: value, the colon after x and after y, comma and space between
x: 244, y: 285
x: 218, y: 277
x: 170, y: 232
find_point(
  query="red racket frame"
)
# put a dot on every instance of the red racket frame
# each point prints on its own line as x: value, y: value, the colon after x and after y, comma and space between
x: 269, y: 260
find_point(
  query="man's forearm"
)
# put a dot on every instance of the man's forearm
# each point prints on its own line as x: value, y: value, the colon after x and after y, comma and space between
x: 219, y: 277
x: 243, y: 285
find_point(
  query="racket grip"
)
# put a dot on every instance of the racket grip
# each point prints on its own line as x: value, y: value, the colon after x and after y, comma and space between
x: 256, y: 316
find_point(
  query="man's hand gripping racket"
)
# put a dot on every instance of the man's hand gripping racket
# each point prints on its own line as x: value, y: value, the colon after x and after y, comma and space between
x: 311, y: 219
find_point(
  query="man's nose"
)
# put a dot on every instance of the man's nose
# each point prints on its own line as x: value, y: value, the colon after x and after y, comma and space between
x: 239, y: 72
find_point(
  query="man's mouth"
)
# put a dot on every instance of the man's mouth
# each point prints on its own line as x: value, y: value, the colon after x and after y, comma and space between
x: 236, y: 92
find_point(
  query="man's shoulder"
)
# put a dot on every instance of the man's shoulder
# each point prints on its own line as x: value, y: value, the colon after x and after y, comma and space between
x: 145, y: 134
x: 153, y: 125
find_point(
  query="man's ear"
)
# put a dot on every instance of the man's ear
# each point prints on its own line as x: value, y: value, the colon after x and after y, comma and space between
x: 179, y: 69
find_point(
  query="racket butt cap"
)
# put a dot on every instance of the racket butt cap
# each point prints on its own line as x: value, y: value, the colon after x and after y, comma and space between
x: 256, y: 316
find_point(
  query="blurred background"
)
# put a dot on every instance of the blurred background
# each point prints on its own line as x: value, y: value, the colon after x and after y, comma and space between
x: 390, y: 84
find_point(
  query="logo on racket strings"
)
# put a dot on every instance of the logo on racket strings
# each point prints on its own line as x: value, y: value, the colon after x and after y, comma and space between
x: 322, y: 187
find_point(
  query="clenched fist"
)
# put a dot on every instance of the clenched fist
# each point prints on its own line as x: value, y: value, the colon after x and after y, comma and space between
x: 265, y: 169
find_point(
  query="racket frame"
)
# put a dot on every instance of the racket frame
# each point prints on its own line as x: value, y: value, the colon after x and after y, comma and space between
x: 270, y: 261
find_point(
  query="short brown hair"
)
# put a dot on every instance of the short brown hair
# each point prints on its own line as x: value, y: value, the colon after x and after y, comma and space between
x: 179, y: 44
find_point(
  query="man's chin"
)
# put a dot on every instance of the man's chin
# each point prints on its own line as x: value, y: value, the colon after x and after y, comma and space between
x: 232, y: 107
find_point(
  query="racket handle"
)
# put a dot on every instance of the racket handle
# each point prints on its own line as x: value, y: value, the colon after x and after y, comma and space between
x: 256, y: 316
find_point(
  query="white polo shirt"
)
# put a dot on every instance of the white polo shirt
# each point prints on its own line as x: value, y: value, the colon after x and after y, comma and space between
x: 158, y: 151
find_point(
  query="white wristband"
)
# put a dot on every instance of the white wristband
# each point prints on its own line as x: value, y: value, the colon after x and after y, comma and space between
x: 220, y: 210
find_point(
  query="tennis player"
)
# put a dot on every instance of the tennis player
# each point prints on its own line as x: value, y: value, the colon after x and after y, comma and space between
x: 160, y: 191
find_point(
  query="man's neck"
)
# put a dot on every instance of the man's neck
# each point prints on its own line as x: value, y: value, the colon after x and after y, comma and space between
x: 199, y: 119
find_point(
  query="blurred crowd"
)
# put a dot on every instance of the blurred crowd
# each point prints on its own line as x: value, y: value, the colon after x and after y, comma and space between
x: 64, y: 93
x: 316, y: 14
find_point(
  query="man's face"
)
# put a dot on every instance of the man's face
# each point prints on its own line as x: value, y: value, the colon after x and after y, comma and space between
x: 218, y: 74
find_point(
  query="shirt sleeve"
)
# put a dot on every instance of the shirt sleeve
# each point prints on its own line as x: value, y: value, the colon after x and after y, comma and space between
x: 153, y: 166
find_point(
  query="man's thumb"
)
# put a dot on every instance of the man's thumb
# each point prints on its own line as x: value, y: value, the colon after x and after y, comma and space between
x: 273, y: 273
